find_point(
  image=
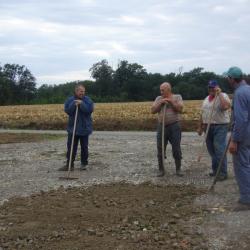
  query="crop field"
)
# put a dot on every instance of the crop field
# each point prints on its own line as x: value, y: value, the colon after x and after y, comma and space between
x: 107, y: 116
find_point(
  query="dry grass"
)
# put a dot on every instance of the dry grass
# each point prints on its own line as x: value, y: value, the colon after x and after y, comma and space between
x: 107, y: 116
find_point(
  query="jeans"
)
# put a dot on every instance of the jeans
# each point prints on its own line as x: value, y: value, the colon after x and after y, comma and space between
x: 241, y: 162
x: 216, y: 145
x: 84, y: 141
x: 172, y: 134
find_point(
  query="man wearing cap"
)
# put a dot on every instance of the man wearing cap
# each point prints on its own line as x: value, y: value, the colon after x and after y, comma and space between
x: 214, y: 111
x: 239, y: 145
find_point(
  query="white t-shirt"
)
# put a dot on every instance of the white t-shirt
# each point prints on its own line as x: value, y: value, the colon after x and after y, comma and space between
x: 219, y: 116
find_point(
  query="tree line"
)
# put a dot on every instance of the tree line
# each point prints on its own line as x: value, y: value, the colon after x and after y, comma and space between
x: 128, y: 82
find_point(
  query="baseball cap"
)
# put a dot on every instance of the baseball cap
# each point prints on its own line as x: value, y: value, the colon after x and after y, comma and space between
x: 234, y: 72
x: 212, y: 84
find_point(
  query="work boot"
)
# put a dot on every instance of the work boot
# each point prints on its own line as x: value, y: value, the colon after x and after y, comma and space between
x: 178, y: 168
x: 161, y: 172
x: 83, y: 166
x: 241, y: 207
x: 66, y: 167
x: 212, y: 174
x: 221, y: 178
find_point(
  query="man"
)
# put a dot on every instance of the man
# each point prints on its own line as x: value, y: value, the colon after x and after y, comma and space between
x: 174, y: 106
x: 83, y: 125
x: 215, y: 111
x: 239, y: 145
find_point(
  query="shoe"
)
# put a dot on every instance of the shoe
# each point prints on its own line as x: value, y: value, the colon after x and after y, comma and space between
x: 243, y: 202
x: 179, y: 173
x: 242, y: 207
x: 161, y: 173
x: 66, y: 167
x: 211, y: 174
x: 83, y: 167
x: 221, y: 177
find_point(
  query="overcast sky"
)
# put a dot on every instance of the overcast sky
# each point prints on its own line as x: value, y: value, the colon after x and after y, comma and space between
x: 59, y: 40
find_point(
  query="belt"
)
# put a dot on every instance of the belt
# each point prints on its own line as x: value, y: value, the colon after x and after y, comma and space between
x: 216, y: 124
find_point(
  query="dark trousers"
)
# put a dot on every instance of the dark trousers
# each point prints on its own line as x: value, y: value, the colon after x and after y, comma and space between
x: 172, y: 134
x: 84, y: 141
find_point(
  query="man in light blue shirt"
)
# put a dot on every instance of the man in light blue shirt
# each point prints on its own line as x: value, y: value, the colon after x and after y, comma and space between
x: 240, y: 139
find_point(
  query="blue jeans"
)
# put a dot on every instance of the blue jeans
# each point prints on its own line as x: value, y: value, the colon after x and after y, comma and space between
x: 241, y: 162
x: 84, y: 141
x: 216, y: 145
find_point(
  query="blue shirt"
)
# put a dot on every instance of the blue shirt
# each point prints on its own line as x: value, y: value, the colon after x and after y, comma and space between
x: 241, y: 114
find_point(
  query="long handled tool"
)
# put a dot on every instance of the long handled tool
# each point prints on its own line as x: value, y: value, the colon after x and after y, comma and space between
x: 220, y: 165
x: 207, y: 129
x: 71, y: 151
x: 163, y: 136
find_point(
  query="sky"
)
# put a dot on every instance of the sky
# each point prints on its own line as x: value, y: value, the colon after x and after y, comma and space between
x: 59, y: 40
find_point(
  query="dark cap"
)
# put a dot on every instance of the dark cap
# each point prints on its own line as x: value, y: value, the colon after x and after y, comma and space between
x: 212, y: 84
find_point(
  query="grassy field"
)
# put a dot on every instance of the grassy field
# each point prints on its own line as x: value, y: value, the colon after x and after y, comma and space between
x: 107, y: 116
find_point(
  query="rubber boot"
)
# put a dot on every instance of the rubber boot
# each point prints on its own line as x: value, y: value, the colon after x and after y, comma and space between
x: 178, y: 168
x: 161, y: 169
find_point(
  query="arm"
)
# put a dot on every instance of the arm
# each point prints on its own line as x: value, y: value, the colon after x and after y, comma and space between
x: 240, y: 117
x: 69, y: 106
x: 156, y: 107
x: 87, y: 105
x: 177, y: 103
x: 224, y: 101
x: 200, y: 126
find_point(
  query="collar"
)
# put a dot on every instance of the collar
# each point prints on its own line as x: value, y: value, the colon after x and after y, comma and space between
x: 242, y: 83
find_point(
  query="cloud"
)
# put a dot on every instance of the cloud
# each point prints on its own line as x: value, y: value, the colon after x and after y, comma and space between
x: 64, y: 77
x: 54, y: 37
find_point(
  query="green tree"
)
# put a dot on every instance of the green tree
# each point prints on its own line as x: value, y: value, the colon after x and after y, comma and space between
x: 18, y: 82
x: 103, y: 74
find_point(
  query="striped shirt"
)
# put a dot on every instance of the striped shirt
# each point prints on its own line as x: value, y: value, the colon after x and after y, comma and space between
x: 171, y: 115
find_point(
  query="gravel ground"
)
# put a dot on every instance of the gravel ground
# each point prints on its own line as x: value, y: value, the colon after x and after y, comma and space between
x: 28, y: 168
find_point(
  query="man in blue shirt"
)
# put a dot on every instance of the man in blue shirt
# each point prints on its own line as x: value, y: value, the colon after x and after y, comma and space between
x: 240, y: 139
x: 83, y: 125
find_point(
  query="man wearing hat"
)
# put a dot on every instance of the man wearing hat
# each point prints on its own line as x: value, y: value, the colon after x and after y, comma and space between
x: 214, y: 111
x: 239, y: 146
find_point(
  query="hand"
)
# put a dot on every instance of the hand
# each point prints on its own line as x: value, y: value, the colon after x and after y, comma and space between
x: 199, y: 131
x: 78, y: 102
x: 166, y: 100
x: 233, y: 147
x: 217, y: 90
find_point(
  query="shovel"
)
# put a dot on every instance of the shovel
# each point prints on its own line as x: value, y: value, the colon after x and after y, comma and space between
x: 68, y: 177
x: 163, y: 137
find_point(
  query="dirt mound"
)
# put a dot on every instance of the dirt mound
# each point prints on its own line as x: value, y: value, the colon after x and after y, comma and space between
x: 114, y: 216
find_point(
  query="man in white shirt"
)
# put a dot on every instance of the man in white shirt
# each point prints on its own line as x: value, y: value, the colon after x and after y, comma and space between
x: 217, y: 104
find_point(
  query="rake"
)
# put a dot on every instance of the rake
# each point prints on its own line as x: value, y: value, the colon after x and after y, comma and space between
x: 68, y: 177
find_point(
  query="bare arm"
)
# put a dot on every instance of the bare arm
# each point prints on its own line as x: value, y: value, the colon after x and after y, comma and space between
x: 224, y: 102
x: 156, y: 107
x: 177, y: 104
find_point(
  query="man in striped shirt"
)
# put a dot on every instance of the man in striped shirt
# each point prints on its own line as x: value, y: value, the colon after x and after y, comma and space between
x: 174, y: 106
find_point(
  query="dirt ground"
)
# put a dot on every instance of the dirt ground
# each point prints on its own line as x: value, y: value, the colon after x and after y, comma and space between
x: 118, y: 202
x: 6, y: 138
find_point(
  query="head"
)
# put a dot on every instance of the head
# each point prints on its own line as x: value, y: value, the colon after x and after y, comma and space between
x: 165, y: 89
x: 79, y: 91
x: 234, y: 76
x: 212, y: 84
